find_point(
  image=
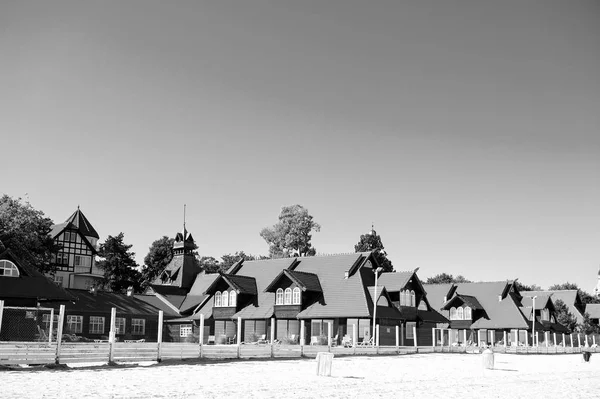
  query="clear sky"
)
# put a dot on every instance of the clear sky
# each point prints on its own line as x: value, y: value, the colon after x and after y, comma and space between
x: 467, y: 131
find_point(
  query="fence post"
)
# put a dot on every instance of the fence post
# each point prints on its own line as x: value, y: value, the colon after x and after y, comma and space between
x: 159, y: 336
x: 433, y: 337
x: 51, y: 326
x: 415, y: 335
x: 354, y: 337
x: 1, y: 313
x: 61, y: 320
x: 329, y: 336
x: 272, y: 335
x: 111, y: 334
x: 397, y: 340
x: 201, y: 335
x: 239, y: 336
x: 505, y: 343
x: 563, y: 341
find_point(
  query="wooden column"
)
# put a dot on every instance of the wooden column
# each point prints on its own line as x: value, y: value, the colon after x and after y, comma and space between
x: 593, y: 338
x: 51, y: 326
x: 415, y: 335
x: 402, y: 326
x: 433, y: 337
x: 201, y: 335
x: 61, y: 321
x: 377, y: 335
x: 1, y: 313
x: 302, y: 333
x: 571, y: 336
x: 398, y: 339
x: 159, y: 336
x: 239, y: 331
x: 465, y: 340
x: 354, y: 336
x: 578, y: 340
x: 586, y: 340
x: 505, y: 343
x: 563, y: 341
x: 111, y: 335
x: 526, y: 338
x: 554, y: 339
x: 329, y: 328
x: 272, y: 330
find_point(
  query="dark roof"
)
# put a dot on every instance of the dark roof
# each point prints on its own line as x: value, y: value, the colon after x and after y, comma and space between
x: 501, y: 314
x: 542, y: 301
x: 30, y: 283
x: 196, y: 294
x: 593, y: 309
x: 242, y: 284
x: 59, y: 228
x: 103, y: 302
x: 182, y: 270
x: 431, y: 316
x: 395, y: 281
x: 468, y: 300
x: 306, y: 281
x: 154, y: 301
x: 83, y: 224
x: 571, y: 298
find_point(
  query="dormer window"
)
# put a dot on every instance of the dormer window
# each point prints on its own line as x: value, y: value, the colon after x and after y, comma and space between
x: 468, y: 315
x: 453, y: 313
x: 296, y: 296
x: 460, y: 313
x: 8, y: 269
x: 232, y: 298
x: 279, y: 297
x: 412, y: 298
x: 217, y: 299
x: 288, y: 296
x: 225, y: 299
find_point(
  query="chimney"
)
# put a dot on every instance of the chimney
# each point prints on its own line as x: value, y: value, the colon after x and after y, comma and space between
x: 130, y: 290
x: 499, y: 298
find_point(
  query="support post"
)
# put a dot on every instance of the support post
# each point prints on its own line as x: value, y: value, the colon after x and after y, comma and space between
x: 354, y: 337
x: 398, y: 339
x: 526, y: 338
x: 239, y: 336
x: 563, y: 341
x: 505, y: 343
x: 415, y: 335
x: 111, y: 335
x: 537, y: 338
x: 554, y: 339
x: 433, y: 337
x: 546, y: 338
x: 1, y: 313
x: 402, y: 334
x: 571, y: 336
x: 442, y: 337
x: 51, y: 326
x: 586, y: 340
x: 465, y: 337
x: 302, y: 333
x: 329, y: 336
x: 61, y: 321
x: 377, y: 335
x: 478, y: 338
x: 578, y: 340
x: 272, y: 330
x: 159, y: 336
x: 594, y: 339
x: 201, y: 334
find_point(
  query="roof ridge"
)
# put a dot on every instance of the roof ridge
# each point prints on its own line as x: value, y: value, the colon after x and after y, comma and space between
x: 297, y: 271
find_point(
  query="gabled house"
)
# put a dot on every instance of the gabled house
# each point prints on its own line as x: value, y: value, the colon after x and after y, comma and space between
x: 75, y: 262
x: 541, y: 309
x: 571, y: 298
x: 593, y: 311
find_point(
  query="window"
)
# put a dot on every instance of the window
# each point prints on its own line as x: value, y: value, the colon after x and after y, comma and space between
x: 545, y: 315
x: 468, y: 313
x: 62, y: 258
x: 217, y: 299
x: 402, y: 303
x: 58, y: 280
x: 8, y: 269
x: 453, y: 313
x: 412, y: 298
x: 296, y: 296
x: 138, y: 326
x: 460, y: 314
x: 120, y: 325
x: 185, y: 330
x: 279, y: 297
x: 83, y: 261
x: 232, y: 298
x: 409, y: 329
x: 225, y: 298
x: 288, y: 296
x: 46, y: 322
x: 96, y: 325
x: 75, y: 324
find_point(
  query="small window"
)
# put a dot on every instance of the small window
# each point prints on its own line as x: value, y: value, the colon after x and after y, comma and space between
x: 225, y: 298
x: 58, y: 280
x: 468, y: 315
x: 120, y: 325
x: 288, y: 296
x: 296, y: 296
x: 460, y: 314
x: 138, y: 326
x: 410, y: 329
x: 185, y: 330
x: 412, y: 298
x: 74, y: 324
x: 96, y: 325
x: 8, y: 269
x: 232, y: 298
x: 402, y: 303
x: 453, y: 313
x: 217, y: 299
x: 279, y: 297
x: 62, y: 258
x: 46, y: 322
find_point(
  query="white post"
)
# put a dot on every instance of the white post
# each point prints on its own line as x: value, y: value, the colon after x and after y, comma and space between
x: 51, y: 326
x: 442, y: 337
x: 111, y: 334
x: 537, y: 338
x: 377, y: 335
x: 302, y: 333
x: 272, y: 330
x: 354, y: 335
x: 526, y: 338
x: 578, y: 340
x: 433, y: 337
x: 61, y: 320
x: 239, y: 331
x: 159, y: 336
x: 402, y: 334
x: 1, y: 312
x: 571, y: 336
x: 586, y: 340
x: 201, y: 335
x: 546, y: 338
x: 505, y: 343
x: 594, y: 339
x: 329, y: 334
x: 415, y: 334
x: 397, y: 337
x: 554, y: 339
x: 563, y: 341
x: 478, y: 338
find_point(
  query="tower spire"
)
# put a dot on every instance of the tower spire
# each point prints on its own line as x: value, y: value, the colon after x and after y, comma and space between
x: 184, y: 218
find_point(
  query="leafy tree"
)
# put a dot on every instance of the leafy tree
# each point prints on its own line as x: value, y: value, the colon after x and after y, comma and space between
x: 563, y: 316
x: 564, y: 286
x: 24, y: 230
x: 445, y: 278
x: 210, y: 264
x: 532, y: 287
x: 229, y: 260
x: 292, y: 234
x: 117, y: 261
x: 587, y: 327
x: 158, y: 257
x: 585, y: 296
x: 372, y: 242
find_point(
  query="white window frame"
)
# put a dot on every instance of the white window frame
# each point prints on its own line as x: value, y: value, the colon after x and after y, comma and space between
x: 9, y: 269
x: 74, y: 324
x: 460, y: 314
x: 453, y: 313
x: 232, y: 298
x: 217, y: 299
x: 412, y: 298
x: 468, y: 313
x: 279, y: 296
x: 138, y: 326
x: 225, y: 299
x: 46, y: 322
x: 58, y: 280
x: 185, y: 330
x: 409, y: 329
x: 96, y: 325
x: 296, y: 297
x: 287, y: 296
x: 120, y: 322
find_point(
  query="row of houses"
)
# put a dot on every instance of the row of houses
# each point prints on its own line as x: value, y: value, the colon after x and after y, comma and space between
x: 292, y: 300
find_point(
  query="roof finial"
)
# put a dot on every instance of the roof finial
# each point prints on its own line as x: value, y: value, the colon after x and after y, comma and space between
x: 184, y: 219
x: 77, y: 206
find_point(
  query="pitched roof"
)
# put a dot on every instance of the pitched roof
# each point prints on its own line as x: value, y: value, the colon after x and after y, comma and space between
x: 30, y: 283
x: 196, y: 294
x: 571, y: 298
x: 103, y: 302
x: 593, y: 309
x: 501, y: 314
x: 541, y: 300
x: 83, y: 224
x: 306, y: 281
x: 468, y: 300
x: 242, y: 284
x: 152, y: 300
x: 395, y: 281
x: 182, y: 270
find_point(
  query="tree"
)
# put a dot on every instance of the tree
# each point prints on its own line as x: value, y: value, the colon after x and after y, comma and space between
x: 25, y: 231
x: 564, y: 286
x: 229, y: 260
x: 372, y: 242
x: 119, y: 265
x: 563, y: 316
x: 292, y: 234
x: 445, y: 278
x: 157, y: 259
x: 587, y: 327
x: 209, y: 264
x: 523, y: 287
x: 585, y: 296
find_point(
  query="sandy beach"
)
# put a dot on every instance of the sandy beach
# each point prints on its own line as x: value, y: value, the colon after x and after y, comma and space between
x: 409, y: 376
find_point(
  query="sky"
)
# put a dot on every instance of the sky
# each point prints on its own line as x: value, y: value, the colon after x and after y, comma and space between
x: 467, y: 132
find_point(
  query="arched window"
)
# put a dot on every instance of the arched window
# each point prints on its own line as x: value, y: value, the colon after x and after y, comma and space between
x: 412, y: 298
x: 402, y: 301
x: 8, y: 269
x: 288, y: 296
x: 468, y: 315
x: 217, y: 299
x: 225, y: 298
x: 460, y: 314
x: 232, y: 298
x: 279, y: 297
x: 296, y: 296
x: 452, y: 313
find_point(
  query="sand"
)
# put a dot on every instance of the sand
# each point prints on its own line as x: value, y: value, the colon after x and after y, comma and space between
x: 419, y: 376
